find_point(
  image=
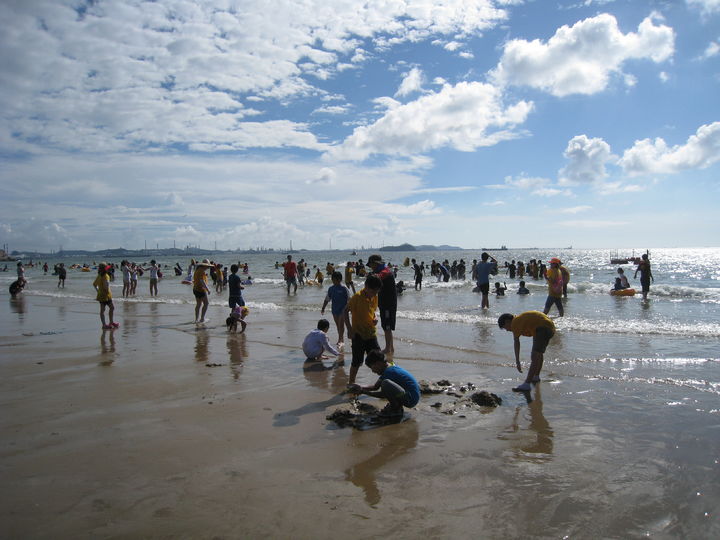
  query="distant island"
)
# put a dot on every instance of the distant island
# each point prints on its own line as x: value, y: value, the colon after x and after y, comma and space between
x: 410, y: 247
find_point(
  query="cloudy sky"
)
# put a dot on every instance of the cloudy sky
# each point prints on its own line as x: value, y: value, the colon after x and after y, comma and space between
x: 238, y: 124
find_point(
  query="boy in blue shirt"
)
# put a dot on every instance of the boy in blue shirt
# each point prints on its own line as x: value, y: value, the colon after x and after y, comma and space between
x: 339, y: 295
x: 395, y: 384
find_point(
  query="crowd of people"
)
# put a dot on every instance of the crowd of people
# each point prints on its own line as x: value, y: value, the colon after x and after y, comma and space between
x: 355, y: 312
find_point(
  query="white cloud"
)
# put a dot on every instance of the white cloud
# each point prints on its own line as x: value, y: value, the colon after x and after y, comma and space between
x: 713, y: 49
x: 574, y: 209
x: 412, y: 82
x: 588, y: 158
x: 594, y: 223
x: 655, y: 157
x: 464, y: 117
x: 580, y: 59
x: 706, y: 6
x: 533, y: 185
x: 134, y: 74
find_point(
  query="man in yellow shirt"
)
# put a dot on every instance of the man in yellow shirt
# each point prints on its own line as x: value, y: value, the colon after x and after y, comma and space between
x: 104, y: 296
x: 554, y: 279
x: 537, y: 326
x: 362, y: 306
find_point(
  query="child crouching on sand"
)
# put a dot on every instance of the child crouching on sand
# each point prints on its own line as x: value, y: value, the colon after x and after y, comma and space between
x: 317, y: 342
x: 237, y: 315
x: 395, y: 384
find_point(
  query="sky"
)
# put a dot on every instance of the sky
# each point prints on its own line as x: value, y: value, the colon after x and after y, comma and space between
x: 234, y: 124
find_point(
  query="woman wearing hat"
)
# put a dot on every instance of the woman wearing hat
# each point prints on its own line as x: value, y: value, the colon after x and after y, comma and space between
x: 554, y: 279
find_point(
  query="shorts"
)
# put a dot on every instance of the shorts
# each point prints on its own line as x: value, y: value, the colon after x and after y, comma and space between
x: 541, y: 339
x: 108, y: 303
x: 199, y: 294
x: 645, y: 283
x: 360, y: 346
x: 153, y: 280
x: 290, y: 281
x: 484, y: 288
x: 553, y: 300
x: 235, y: 301
x: 387, y: 318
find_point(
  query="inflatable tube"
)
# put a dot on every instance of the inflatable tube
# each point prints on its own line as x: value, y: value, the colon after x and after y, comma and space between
x: 623, y: 292
x: 85, y: 269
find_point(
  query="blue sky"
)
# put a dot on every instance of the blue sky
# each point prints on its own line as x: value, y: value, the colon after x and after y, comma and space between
x: 239, y: 124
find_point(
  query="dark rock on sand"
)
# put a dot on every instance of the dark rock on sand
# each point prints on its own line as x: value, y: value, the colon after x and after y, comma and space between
x: 486, y: 399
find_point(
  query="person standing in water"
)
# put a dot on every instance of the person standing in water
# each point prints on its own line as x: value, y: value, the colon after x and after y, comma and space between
x: 645, y: 275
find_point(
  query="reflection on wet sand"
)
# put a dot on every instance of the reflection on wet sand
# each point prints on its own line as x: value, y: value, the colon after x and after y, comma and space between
x: 332, y: 377
x: 107, y: 347
x: 17, y: 305
x: 202, y: 342
x: 541, y: 446
x: 237, y: 351
x: 393, y: 442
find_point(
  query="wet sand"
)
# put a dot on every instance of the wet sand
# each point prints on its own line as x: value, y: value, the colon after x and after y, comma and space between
x: 162, y: 430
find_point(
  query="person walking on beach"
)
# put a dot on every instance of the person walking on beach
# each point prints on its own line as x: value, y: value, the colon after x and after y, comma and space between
x: 360, y: 321
x: 395, y: 384
x: 62, y: 274
x: 565, y: 278
x: 349, y: 271
x: 339, y: 295
x: 387, y: 299
x: 104, y: 296
x: 201, y: 290
x: 290, y: 274
x: 554, y: 279
x: 153, y: 278
x: 530, y: 324
x: 645, y: 275
x: 418, y: 275
x: 482, y: 273
x: 235, y: 288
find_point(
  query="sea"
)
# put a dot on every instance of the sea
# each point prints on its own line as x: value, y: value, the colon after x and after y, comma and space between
x: 678, y: 326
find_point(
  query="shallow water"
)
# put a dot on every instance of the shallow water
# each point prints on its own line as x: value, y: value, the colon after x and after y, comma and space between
x: 620, y: 440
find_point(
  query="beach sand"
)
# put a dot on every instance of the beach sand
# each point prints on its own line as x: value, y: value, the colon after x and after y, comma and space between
x: 163, y: 430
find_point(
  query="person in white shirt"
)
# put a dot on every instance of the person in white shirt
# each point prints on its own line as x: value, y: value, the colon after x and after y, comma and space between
x: 317, y: 342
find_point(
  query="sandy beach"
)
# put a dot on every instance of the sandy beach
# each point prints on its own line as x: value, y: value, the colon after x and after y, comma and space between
x: 164, y: 430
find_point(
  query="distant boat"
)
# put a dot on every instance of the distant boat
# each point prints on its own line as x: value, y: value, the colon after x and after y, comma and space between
x: 353, y: 252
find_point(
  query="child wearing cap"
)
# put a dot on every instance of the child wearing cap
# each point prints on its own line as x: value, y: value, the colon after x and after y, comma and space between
x: 104, y: 296
x: 554, y: 279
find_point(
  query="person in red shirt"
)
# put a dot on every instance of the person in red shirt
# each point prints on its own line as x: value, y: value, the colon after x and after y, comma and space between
x: 290, y: 274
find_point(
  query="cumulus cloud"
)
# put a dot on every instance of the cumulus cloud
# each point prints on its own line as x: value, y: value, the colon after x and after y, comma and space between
x: 588, y: 158
x: 412, y: 82
x: 580, y: 59
x: 118, y: 76
x: 654, y: 156
x: 464, y: 117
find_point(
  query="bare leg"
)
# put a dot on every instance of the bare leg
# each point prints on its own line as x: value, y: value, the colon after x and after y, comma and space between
x: 204, y: 308
x: 102, y: 314
x: 389, y: 344
x: 353, y: 373
x: 536, y: 363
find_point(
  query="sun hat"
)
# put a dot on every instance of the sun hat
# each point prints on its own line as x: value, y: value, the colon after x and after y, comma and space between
x: 555, y: 260
x: 374, y: 259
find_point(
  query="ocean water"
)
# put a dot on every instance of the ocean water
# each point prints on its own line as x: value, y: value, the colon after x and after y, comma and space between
x: 671, y: 338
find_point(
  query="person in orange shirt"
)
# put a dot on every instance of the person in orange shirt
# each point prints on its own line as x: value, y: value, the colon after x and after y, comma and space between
x: 530, y: 324
x: 361, y: 329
